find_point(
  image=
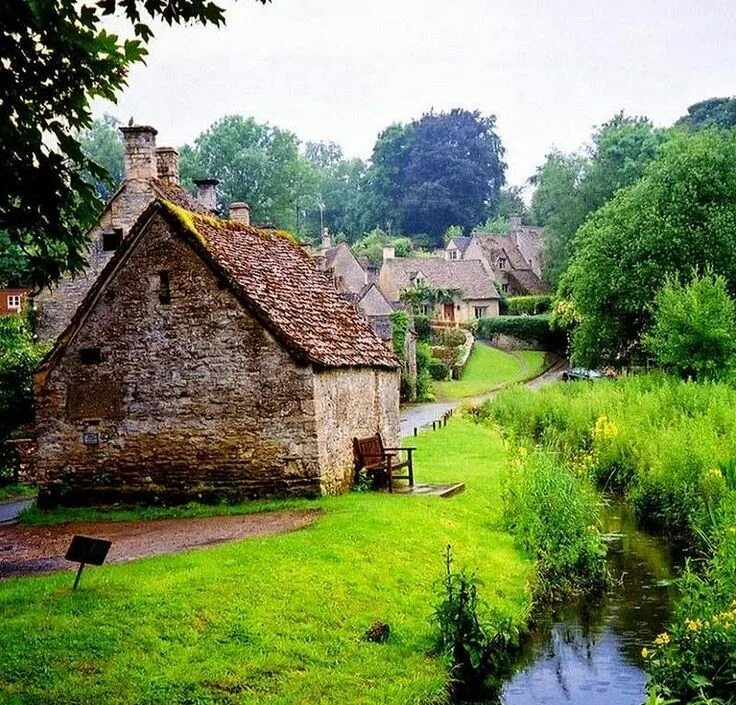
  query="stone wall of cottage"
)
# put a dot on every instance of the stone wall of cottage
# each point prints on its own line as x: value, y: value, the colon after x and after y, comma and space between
x: 352, y: 402
x: 191, y: 398
x: 57, y: 305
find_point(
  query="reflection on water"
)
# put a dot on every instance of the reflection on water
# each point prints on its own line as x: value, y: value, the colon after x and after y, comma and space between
x: 591, y: 652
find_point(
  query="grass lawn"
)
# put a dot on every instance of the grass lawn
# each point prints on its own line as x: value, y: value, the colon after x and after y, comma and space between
x: 277, y: 619
x: 489, y: 368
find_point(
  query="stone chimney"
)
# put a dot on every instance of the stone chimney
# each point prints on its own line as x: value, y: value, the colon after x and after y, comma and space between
x: 240, y: 212
x: 389, y: 252
x: 514, y: 222
x: 167, y: 165
x: 139, y: 142
x: 326, y: 239
x: 206, y: 193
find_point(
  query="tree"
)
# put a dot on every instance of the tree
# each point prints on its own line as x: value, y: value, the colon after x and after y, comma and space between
x: 101, y: 144
x: 694, y: 327
x: 713, y: 112
x: 441, y: 170
x: 680, y: 215
x: 55, y: 58
x: 371, y: 246
x: 255, y: 163
x: 569, y: 187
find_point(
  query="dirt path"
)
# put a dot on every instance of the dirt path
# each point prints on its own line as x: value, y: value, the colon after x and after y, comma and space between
x: 39, y: 549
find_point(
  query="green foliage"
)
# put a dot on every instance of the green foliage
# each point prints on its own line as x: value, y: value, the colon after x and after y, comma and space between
x: 439, y: 369
x: 371, y: 245
x: 255, y: 163
x: 694, y: 327
x: 528, y: 328
x: 528, y: 305
x: 569, y: 187
x: 424, y: 295
x: 670, y: 446
x: 452, y: 232
x: 441, y: 170
x: 423, y: 327
x: 480, y: 657
x: 681, y: 215
x: 553, y: 511
x: 14, y: 263
x: 101, y: 143
x: 57, y: 56
x: 19, y: 356
x: 425, y: 388
x: 399, y: 331
x: 713, y: 112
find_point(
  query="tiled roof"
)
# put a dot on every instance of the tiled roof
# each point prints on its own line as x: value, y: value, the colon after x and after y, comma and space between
x: 468, y: 276
x: 275, y: 280
x: 279, y: 282
x: 178, y: 195
x: 528, y: 281
x: 497, y: 245
x: 461, y: 243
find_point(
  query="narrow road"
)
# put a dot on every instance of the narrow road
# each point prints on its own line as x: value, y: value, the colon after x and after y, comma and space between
x: 421, y: 415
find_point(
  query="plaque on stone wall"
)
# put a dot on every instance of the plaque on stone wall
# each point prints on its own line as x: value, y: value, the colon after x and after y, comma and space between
x: 94, y: 400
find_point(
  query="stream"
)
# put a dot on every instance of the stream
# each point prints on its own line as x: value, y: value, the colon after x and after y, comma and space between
x: 590, y: 652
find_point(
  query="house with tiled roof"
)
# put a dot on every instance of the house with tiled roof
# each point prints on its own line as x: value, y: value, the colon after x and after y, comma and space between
x: 210, y: 359
x: 512, y: 259
x: 474, y: 294
x: 150, y: 172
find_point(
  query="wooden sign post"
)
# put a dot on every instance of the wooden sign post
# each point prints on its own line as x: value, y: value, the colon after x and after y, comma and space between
x: 83, y: 550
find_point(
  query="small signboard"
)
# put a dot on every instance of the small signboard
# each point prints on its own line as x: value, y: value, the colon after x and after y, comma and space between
x: 85, y: 549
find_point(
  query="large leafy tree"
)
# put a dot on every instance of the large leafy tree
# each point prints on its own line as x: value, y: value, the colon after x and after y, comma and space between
x: 101, y: 143
x: 570, y: 186
x: 713, y: 112
x: 255, y: 163
x: 55, y: 57
x: 680, y: 215
x: 443, y: 169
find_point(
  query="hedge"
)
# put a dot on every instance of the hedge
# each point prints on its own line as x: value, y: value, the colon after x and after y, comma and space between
x: 528, y: 305
x: 528, y: 328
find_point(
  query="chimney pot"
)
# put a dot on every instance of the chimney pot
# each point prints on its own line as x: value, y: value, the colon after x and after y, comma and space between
x: 389, y: 252
x: 139, y: 142
x: 240, y: 212
x: 206, y: 193
x: 514, y: 222
x: 326, y: 239
x: 167, y: 165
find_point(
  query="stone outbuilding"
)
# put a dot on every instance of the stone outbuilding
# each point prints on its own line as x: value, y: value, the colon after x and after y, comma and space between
x: 210, y: 359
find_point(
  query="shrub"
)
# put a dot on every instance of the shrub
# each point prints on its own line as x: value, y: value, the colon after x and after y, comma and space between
x: 553, y: 512
x: 423, y: 328
x: 693, y: 332
x: 424, y: 379
x: 528, y: 305
x: 528, y: 328
x: 438, y: 369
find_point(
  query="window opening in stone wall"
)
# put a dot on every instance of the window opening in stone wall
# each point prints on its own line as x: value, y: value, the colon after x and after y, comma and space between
x: 112, y: 240
x: 164, y: 288
x: 90, y: 356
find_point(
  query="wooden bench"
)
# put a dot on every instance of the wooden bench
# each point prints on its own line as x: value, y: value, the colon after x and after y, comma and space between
x: 372, y: 457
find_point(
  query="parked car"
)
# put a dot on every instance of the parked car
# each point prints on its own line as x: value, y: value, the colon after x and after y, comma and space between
x: 582, y: 373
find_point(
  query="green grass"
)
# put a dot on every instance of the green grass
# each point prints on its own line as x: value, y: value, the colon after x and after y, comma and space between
x: 488, y: 369
x: 279, y: 619
x: 13, y: 491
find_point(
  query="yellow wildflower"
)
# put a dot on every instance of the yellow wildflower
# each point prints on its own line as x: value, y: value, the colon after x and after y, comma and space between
x: 604, y: 428
x: 693, y: 625
x: 662, y: 639
x: 645, y: 653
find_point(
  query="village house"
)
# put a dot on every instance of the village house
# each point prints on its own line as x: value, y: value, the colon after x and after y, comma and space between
x: 209, y: 359
x: 150, y: 173
x: 512, y: 260
x: 13, y: 300
x: 474, y: 295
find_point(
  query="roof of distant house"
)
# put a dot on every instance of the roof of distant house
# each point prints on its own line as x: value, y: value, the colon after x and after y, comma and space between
x: 460, y: 242
x: 274, y: 279
x: 468, y: 276
x: 498, y: 245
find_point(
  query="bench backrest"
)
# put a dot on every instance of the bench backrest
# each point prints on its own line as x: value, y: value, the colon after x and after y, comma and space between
x: 369, y: 450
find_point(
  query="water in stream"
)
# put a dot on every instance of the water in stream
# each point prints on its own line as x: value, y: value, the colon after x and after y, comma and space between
x: 590, y: 653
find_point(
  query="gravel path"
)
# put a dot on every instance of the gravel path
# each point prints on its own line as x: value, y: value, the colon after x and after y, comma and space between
x: 39, y: 549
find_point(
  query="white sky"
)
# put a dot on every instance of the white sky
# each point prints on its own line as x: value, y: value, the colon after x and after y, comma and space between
x: 343, y: 70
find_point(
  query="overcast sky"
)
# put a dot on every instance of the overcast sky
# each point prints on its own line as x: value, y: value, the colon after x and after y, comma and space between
x: 343, y: 70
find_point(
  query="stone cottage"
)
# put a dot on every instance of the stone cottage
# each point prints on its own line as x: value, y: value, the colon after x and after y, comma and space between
x: 512, y: 259
x: 150, y: 172
x: 209, y: 359
x: 475, y: 295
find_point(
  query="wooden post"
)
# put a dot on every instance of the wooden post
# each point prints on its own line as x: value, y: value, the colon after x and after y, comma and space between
x: 415, y: 431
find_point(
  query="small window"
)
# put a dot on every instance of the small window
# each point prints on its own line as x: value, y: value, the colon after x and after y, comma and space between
x: 502, y: 263
x: 14, y: 302
x: 505, y: 288
x: 112, y: 240
x: 425, y: 309
x: 90, y: 356
x: 453, y: 254
x: 164, y: 288
x: 480, y: 311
